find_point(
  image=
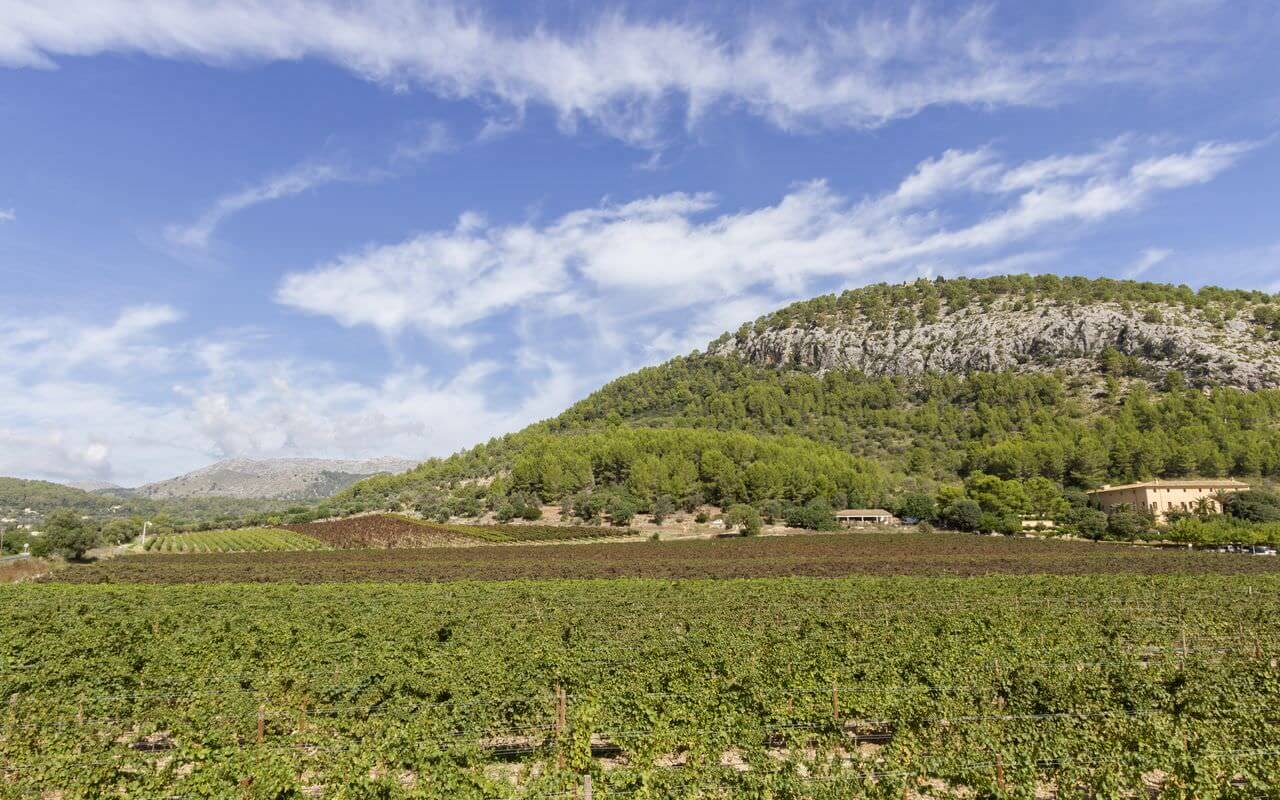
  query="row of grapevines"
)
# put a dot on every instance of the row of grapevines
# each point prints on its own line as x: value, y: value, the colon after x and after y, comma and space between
x: 233, y: 541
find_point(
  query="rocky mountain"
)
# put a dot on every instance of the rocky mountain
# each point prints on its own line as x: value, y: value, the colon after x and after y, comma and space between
x: 94, y: 486
x: 277, y: 478
x: 1212, y: 343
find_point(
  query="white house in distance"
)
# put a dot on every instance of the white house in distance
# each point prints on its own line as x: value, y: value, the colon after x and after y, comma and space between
x: 858, y: 517
x: 1161, y: 497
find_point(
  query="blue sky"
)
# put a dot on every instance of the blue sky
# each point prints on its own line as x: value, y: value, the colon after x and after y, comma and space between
x: 347, y: 229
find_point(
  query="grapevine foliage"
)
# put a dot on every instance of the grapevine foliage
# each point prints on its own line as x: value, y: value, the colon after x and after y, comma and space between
x: 1102, y: 686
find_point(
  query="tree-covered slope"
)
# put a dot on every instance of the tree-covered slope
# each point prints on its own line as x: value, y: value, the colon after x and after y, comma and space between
x: 43, y: 497
x: 1116, y: 410
x: 17, y: 494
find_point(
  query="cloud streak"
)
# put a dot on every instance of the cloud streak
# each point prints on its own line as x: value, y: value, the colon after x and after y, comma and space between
x: 301, y: 178
x: 628, y: 77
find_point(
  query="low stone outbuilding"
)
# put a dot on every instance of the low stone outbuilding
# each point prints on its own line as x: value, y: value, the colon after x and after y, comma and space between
x: 859, y: 517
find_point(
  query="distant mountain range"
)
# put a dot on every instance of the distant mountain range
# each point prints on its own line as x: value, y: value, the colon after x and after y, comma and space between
x: 274, y: 478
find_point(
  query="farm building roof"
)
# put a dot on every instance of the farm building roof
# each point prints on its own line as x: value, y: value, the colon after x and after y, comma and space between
x: 1191, y: 483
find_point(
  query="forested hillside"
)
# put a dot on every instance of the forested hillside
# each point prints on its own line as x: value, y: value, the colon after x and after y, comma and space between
x: 730, y: 428
x: 43, y: 497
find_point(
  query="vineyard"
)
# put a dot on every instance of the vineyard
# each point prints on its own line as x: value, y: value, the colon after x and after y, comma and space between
x: 1007, y: 687
x: 538, y: 533
x: 935, y: 554
x: 395, y: 530
x: 379, y: 530
x: 243, y: 540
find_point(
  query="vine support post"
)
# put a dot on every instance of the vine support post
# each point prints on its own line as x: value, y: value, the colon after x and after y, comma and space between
x: 262, y: 722
x: 561, y: 710
x: 1000, y: 772
x: 561, y: 722
x: 835, y: 702
x: 586, y: 787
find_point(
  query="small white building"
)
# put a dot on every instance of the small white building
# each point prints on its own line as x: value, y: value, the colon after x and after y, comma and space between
x: 861, y: 517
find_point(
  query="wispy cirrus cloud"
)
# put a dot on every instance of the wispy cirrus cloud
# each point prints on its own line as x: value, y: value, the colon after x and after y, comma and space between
x: 297, y: 180
x: 424, y: 141
x: 631, y: 77
x: 1147, y: 260
x: 672, y: 251
x: 7, y: 215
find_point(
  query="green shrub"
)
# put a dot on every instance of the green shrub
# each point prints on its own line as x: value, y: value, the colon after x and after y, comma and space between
x: 746, y: 518
x: 962, y: 515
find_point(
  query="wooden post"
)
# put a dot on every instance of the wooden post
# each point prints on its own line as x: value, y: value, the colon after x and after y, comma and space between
x: 586, y: 787
x: 262, y: 722
x: 1182, y: 660
x: 561, y: 723
x: 999, y: 772
x: 561, y: 710
x: 80, y: 713
x: 835, y: 702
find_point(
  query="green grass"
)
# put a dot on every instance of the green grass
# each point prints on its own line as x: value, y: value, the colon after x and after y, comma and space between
x: 233, y: 541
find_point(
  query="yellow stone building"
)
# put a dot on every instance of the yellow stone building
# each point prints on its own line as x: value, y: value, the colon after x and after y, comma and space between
x: 1161, y: 497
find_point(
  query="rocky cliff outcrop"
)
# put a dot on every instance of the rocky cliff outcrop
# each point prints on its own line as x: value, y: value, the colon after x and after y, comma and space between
x: 1024, y: 337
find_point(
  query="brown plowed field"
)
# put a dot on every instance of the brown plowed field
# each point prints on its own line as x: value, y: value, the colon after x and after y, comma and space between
x: 936, y: 554
x: 380, y: 530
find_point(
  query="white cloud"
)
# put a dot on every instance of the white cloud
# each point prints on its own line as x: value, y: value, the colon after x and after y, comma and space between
x: 296, y: 181
x: 57, y: 345
x: 1186, y: 169
x: 1150, y: 257
x: 668, y: 252
x: 7, y: 215
x: 187, y: 402
x: 627, y: 76
x: 429, y: 139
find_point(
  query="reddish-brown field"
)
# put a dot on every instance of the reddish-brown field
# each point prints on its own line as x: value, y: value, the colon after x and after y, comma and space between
x: 379, y: 530
x: 936, y: 554
x: 393, y: 530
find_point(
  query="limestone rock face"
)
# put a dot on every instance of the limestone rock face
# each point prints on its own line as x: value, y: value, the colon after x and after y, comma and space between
x: 1011, y: 336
